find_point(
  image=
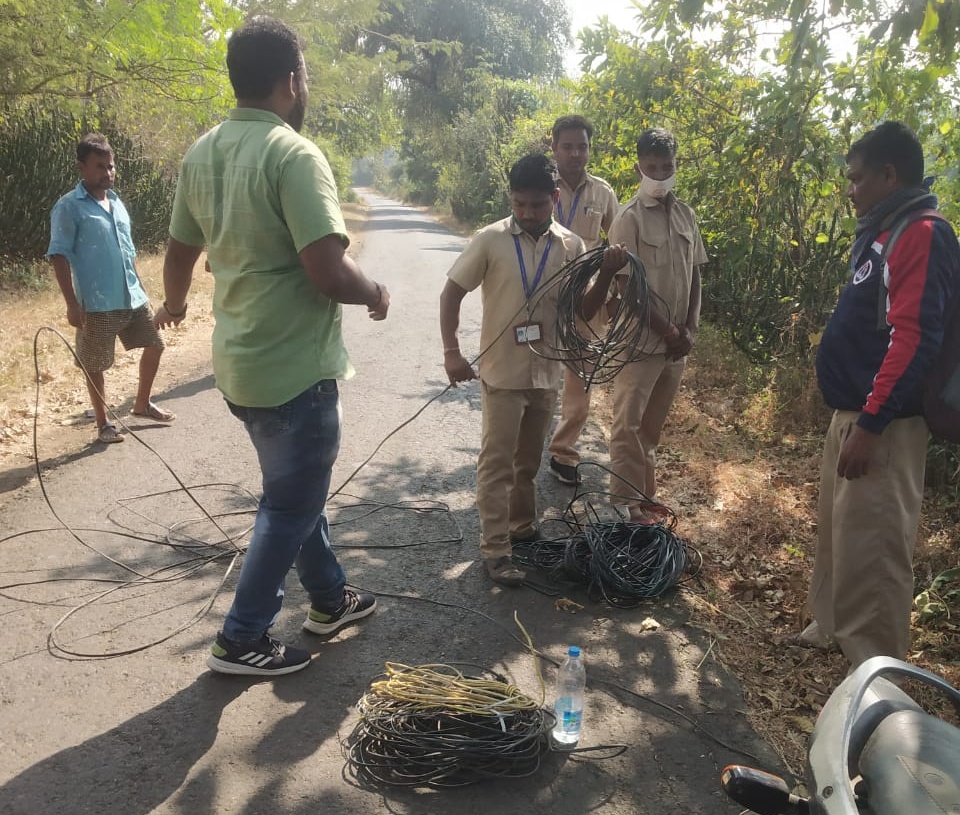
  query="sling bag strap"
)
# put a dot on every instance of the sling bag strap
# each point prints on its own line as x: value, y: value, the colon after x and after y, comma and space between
x: 896, y: 231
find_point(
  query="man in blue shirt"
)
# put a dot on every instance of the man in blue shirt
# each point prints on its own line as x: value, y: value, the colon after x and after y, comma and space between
x: 92, y: 252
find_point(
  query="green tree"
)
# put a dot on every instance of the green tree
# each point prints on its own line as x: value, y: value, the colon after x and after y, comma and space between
x: 763, y: 135
x: 446, y: 54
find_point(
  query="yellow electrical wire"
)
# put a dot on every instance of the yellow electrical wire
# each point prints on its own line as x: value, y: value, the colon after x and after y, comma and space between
x: 441, y: 687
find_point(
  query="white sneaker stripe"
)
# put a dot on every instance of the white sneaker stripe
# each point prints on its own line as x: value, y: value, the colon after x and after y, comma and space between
x: 255, y: 658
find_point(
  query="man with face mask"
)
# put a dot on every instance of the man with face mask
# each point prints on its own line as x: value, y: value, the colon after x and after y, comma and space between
x: 262, y: 200
x: 662, y: 231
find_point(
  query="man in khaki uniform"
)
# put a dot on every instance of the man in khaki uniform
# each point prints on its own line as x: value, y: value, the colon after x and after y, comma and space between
x: 587, y: 207
x: 662, y: 231
x: 513, y: 261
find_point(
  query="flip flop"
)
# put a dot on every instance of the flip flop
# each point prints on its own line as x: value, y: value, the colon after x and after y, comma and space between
x: 108, y: 434
x: 155, y: 412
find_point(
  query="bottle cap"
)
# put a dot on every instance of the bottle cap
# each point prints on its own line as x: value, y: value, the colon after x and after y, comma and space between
x: 574, y: 651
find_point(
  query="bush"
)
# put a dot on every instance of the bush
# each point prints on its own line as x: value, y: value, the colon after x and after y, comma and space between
x: 340, y: 165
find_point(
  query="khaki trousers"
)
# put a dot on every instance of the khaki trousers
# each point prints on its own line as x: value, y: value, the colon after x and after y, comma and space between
x: 515, y: 424
x: 643, y: 393
x: 861, y: 592
x: 574, y: 408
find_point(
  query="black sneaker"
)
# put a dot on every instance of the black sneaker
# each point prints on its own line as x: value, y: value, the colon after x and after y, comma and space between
x: 355, y: 606
x: 266, y: 657
x: 565, y: 473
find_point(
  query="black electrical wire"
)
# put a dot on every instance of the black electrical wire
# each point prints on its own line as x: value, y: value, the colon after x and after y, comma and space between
x: 597, y: 358
x: 595, y: 679
x: 623, y: 563
x: 633, y: 562
x: 434, y: 726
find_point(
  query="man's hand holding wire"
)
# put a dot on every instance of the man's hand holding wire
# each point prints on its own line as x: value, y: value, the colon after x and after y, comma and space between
x: 457, y: 367
x: 614, y: 259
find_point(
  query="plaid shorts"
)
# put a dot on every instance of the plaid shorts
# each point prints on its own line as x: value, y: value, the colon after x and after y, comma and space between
x: 97, y: 339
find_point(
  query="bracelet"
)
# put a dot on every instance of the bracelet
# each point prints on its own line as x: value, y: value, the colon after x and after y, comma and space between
x: 175, y: 314
x: 451, y: 350
x: 379, y: 295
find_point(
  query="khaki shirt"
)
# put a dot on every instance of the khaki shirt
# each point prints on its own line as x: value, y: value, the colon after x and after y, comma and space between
x: 668, y: 243
x: 588, y: 209
x: 490, y: 262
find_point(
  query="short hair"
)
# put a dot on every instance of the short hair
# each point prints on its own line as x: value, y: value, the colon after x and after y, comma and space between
x: 535, y: 172
x: 891, y: 143
x: 261, y: 53
x: 657, y: 141
x: 93, y: 143
x: 574, y: 122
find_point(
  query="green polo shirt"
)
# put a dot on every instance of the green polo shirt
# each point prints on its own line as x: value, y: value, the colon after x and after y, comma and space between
x: 255, y: 192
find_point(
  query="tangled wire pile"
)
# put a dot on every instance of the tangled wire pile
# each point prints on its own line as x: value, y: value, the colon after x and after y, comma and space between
x: 595, y: 358
x: 620, y: 562
x: 432, y: 726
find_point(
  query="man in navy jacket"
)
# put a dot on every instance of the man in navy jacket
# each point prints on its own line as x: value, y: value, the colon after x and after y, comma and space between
x: 871, y: 364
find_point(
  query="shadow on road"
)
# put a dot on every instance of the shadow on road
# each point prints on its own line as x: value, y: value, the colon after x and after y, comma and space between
x: 134, y: 767
x: 408, y: 225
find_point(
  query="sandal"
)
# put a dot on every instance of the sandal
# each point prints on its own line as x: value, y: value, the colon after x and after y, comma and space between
x: 155, y: 412
x: 109, y: 434
x: 502, y: 570
x: 648, y: 514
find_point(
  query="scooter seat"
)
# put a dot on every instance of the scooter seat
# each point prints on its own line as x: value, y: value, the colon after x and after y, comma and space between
x: 910, y: 765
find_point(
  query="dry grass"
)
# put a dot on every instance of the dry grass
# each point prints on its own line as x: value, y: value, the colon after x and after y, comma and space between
x: 33, y: 348
x: 746, y: 497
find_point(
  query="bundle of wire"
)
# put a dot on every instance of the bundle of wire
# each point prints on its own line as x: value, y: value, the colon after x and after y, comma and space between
x: 595, y: 358
x: 431, y: 725
x: 623, y: 563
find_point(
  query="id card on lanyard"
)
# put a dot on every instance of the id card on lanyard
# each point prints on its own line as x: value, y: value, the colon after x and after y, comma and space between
x: 526, y: 333
x: 573, y: 210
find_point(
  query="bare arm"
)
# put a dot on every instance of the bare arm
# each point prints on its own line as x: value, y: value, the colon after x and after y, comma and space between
x: 693, y: 310
x: 337, y: 276
x: 456, y: 366
x: 614, y: 259
x: 680, y: 343
x: 178, y: 263
x: 61, y: 268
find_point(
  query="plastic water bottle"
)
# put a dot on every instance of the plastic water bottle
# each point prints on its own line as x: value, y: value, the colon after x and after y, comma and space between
x: 568, y: 707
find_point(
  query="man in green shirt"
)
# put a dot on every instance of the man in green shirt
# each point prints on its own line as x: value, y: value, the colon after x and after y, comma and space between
x: 262, y: 200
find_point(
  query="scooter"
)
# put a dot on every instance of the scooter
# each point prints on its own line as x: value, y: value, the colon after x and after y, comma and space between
x: 874, y: 751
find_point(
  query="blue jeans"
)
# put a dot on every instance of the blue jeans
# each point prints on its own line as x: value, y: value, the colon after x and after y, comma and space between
x: 297, y: 444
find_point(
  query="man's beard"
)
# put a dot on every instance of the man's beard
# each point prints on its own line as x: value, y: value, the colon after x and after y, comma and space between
x: 297, y: 115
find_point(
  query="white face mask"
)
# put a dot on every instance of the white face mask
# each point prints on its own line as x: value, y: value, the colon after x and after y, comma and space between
x: 657, y: 189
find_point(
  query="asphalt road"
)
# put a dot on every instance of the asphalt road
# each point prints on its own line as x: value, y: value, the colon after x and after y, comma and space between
x: 152, y: 731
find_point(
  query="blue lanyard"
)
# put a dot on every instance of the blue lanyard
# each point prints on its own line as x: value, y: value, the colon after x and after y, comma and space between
x: 573, y: 210
x: 523, y: 266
